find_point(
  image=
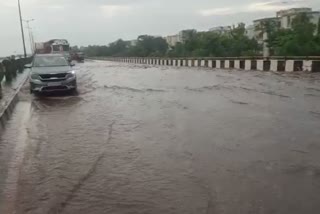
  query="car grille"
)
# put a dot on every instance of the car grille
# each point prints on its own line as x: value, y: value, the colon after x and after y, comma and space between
x: 53, y: 77
x: 54, y: 88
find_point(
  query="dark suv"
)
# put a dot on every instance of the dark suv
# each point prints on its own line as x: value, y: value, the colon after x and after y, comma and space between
x: 52, y: 72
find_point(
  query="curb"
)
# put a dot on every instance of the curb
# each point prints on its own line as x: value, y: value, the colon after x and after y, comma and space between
x: 11, y: 104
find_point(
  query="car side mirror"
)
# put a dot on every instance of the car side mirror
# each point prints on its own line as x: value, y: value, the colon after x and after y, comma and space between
x: 28, y: 66
x: 72, y: 64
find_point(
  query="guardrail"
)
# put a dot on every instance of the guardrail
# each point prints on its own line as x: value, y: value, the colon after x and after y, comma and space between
x: 280, y: 64
x: 9, y: 69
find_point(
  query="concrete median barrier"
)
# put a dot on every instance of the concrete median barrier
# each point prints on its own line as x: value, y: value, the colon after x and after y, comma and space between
x: 276, y: 64
x: 10, y: 99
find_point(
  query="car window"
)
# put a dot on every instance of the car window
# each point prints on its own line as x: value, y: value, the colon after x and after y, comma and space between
x: 56, y: 48
x: 50, y: 61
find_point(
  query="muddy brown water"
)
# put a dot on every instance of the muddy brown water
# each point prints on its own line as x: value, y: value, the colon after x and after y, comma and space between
x: 141, y: 139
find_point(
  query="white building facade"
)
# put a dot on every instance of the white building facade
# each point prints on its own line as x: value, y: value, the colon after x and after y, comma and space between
x: 286, y: 16
x: 173, y: 40
x: 221, y: 29
x: 250, y: 32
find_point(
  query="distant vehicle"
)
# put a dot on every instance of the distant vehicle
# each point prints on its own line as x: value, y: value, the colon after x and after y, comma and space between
x: 51, y: 72
x: 61, y: 46
x: 78, y: 56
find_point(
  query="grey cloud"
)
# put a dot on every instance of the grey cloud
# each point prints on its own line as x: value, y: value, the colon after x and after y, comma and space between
x: 84, y: 22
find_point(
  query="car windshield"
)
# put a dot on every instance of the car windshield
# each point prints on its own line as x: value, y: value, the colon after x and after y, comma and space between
x: 50, y: 61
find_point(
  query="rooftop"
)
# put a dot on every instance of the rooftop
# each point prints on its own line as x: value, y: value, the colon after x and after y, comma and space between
x: 265, y: 19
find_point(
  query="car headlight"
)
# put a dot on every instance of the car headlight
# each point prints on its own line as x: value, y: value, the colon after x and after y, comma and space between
x: 35, y: 76
x: 71, y: 74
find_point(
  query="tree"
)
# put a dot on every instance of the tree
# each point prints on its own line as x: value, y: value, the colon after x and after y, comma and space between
x: 151, y: 46
x: 318, y: 33
x: 300, y: 40
x: 203, y: 44
x: 118, y: 48
x: 188, y: 35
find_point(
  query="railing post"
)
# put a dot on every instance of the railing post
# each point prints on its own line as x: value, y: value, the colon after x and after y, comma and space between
x: 247, y: 66
x: 196, y: 62
x: 289, y: 65
x: 260, y: 65
x: 218, y: 63
x: 274, y: 65
x: 227, y: 64
x: 237, y: 64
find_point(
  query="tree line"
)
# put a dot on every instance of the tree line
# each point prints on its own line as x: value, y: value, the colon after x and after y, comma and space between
x: 302, y: 39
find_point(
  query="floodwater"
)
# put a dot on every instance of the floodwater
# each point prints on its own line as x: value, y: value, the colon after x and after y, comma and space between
x: 163, y: 140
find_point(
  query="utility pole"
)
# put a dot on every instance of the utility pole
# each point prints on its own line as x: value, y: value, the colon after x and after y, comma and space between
x: 21, y: 25
x: 30, y: 34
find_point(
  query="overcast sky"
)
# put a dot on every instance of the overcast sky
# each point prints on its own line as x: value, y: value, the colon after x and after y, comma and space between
x: 89, y: 22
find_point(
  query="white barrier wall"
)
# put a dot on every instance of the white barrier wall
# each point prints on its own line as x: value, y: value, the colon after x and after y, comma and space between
x: 247, y: 65
x: 237, y: 64
x: 307, y: 65
x: 274, y: 65
x: 289, y: 65
x: 218, y: 63
x: 184, y: 62
x: 227, y: 64
x: 260, y: 65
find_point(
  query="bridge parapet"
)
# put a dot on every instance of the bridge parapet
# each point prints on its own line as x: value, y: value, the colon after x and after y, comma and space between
x: 276, y: 64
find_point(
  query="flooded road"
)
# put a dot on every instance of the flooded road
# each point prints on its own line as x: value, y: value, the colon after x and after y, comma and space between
x: 142, y: 139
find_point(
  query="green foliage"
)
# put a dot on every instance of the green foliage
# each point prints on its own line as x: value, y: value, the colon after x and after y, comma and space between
x: 146, y: 46
x: 234, y: 43
x: 300, y: 40
x: 318, y: 33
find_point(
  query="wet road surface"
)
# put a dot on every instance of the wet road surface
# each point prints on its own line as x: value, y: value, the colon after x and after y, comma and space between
x: 140, y: 139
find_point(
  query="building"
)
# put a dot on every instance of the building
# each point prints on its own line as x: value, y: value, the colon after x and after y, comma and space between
x: 286, y: 16
x: 221, y: 29
x: 283, y: 20
x: 173, y: 40
x: 133, y: 42
x: 282, y: 13
x: 250, y: 31
x: 259, y: 26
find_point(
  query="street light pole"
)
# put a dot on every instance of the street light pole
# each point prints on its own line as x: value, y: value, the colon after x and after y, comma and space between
x: 30, y: 34
x: 21, y: 25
